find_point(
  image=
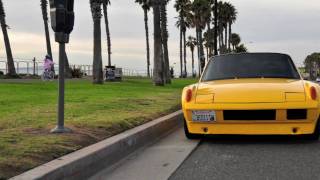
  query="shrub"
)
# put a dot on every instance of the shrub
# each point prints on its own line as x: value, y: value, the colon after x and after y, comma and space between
x: 77, y: 73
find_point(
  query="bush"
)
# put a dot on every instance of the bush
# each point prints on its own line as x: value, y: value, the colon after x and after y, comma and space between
x: 77, y: 73
x: 1, y: 73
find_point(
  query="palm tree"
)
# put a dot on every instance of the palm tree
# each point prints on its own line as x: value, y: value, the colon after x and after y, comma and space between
x: 235, y: 40
x: 97, y: 57
x: 183, y: 8
x: 165, y: 36
x: 44, y: 4
x: 201, y: 11
x: 231, y: 18
x: 222, y: 26
x: 105, y: 4
x: 145, y: 4
x: 241, y: 49
x: 4, y: 26
x: 191, y: 43
x: 158, y: 61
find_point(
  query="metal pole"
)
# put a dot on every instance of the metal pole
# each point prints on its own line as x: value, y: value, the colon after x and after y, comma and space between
x: 61, y: 86
x: 60, y: 124
x: 34, y: 66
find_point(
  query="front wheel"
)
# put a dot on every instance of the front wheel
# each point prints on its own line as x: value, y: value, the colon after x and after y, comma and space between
x: 188, y: 134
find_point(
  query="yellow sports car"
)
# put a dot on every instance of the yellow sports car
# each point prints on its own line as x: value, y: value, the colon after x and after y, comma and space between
x: 251, y: 94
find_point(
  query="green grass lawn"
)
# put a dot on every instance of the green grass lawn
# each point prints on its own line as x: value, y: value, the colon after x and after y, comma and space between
x: 93, y: 112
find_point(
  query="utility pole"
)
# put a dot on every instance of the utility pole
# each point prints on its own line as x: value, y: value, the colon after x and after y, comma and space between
x: 62, y: 22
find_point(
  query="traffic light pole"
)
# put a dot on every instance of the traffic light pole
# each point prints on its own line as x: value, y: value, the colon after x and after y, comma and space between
x: 60, y: 122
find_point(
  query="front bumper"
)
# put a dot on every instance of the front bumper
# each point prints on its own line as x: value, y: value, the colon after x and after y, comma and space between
x: 252, y: 128
x: 280, y: 126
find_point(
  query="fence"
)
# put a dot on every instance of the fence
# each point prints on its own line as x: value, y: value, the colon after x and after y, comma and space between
x: 34, y: 67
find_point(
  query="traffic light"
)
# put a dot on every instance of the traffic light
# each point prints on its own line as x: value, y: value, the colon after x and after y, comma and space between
x: 62, y: 16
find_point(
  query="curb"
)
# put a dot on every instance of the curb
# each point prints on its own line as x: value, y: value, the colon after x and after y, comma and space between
x: 86, y: 162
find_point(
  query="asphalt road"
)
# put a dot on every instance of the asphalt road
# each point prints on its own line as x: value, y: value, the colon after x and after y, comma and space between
x: 254, y: 158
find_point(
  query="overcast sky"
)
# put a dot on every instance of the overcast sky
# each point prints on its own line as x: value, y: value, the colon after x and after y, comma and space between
x: 287, y: 26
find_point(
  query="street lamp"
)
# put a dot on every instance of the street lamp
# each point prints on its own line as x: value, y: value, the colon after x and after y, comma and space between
x: 62, y: 22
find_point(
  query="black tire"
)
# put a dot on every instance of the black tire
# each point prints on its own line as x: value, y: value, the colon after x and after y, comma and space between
x: 190, y: 135
x: 316, y: 134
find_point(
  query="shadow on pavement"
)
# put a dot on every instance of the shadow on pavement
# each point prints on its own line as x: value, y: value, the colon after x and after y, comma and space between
x: 254, y: 139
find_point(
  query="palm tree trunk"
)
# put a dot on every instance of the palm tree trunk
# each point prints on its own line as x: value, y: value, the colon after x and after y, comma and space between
x: 202, y: 57
x: 181, y: 53
x: 67, y: 69
x: 105, y: 13
x: 164, y: 32
x: 147, y: 40
x: 97, y: 56
x: 11, y: 67
x: 209, y: 38
x: 185, y: 54
x: 226, y: 36
x: 158, y: 62
x: 192, y: 54
x: 207, y: 49
x: 44, y: 4
x: 198, y: 50
x: 215, y: 27
x: 230, y: 33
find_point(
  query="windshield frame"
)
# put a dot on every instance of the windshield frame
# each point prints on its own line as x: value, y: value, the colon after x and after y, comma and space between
x: 294, y: 68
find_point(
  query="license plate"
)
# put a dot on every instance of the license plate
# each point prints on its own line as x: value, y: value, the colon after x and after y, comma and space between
x: 203, y: 116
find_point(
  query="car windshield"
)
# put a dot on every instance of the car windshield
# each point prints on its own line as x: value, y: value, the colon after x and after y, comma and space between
x: 259, y: 65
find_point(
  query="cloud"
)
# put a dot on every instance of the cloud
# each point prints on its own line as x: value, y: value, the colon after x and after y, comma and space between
x: 288, y: 26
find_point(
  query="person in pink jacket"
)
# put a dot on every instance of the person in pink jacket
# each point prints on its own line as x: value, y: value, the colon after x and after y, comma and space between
x: 48, y: 64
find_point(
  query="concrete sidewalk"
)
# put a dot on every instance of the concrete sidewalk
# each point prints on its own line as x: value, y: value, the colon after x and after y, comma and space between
x: 156, y: 162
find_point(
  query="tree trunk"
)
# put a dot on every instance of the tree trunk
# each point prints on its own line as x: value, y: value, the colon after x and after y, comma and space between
x: 198, y: 51
x: 209, y: 38
x: 105, y: 13
x: 97, y: 57
x: 181, y: 53
x: 46, y: 26
x: 226, y: 36
x: 192, y: 54
x: 11, y: 67
x: 164, y: 33
x: 147, y: 40
x: 202, y: 57
x: 185, y: 54
x: 158, y: 62
x: 67, y: 69
x: 215, y: 27
x: 230, y: 33
x: 207, y: 49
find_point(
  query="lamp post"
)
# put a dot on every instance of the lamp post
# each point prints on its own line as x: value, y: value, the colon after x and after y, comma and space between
x: 62, y: 22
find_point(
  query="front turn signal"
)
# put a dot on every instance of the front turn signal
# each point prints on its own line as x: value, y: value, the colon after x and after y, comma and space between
x: 188, y: 95
x: 313, y: 93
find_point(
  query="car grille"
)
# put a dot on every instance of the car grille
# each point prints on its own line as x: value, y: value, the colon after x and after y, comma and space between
x: 296, y: 114
x: 242, y: 115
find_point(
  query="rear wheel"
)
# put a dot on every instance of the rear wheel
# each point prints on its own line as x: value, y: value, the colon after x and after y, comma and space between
x: 316, y: 134
x: 188, y: 134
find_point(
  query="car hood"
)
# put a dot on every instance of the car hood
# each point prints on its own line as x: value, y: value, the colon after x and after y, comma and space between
x: 251, y: 91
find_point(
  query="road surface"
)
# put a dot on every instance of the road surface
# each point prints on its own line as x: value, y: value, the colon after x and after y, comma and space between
x: 256, y: 158
x: 221, y: 158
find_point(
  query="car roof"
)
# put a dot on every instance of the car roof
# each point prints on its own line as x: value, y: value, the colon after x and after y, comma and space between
x: 255, y: 53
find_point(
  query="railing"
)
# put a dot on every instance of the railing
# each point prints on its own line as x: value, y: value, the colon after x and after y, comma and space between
x: 34, y: 67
